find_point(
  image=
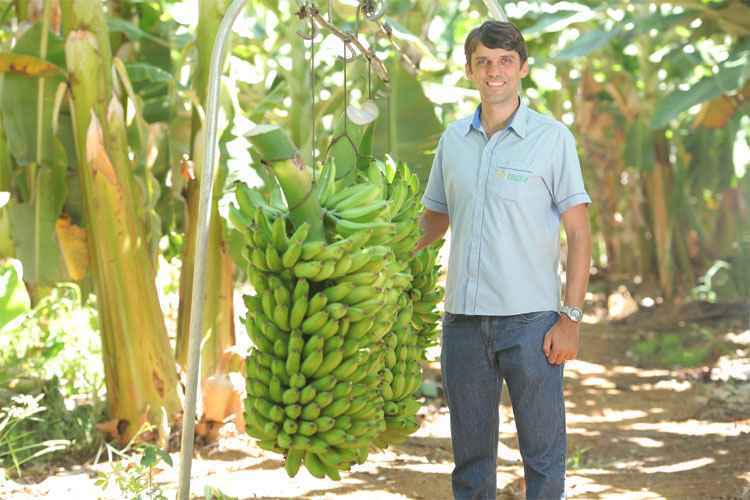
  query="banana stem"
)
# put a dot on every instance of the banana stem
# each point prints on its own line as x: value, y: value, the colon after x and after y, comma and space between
x: 295, y: 180
x: 283, y: 160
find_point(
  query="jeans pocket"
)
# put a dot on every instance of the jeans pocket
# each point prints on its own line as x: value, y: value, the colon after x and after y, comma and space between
x: 535, y: 316
x: 449, y: 318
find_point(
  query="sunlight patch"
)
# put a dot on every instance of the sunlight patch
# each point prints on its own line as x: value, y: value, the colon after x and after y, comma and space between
x: 646, y: 442
x: 680, y: 467
x: 694, y: 428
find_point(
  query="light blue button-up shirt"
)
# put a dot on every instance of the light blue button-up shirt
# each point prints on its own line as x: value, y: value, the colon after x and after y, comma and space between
x: 504, y: 196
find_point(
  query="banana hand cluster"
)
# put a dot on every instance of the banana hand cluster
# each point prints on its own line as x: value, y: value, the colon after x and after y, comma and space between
x: 338, y: 328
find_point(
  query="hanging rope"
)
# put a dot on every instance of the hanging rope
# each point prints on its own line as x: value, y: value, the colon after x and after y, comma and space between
x: 312, y: 97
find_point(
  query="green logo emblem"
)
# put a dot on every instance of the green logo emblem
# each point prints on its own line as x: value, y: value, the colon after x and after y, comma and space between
x: 511, y: 176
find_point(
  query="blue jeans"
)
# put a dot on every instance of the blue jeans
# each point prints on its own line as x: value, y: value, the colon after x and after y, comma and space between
x: 478, y: 353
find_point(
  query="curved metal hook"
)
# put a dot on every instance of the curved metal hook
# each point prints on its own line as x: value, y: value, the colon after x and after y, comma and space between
x: 370, y: 11
x: 308, y: 11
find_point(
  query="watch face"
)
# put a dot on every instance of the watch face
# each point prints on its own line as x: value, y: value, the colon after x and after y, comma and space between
x: 573, y: 313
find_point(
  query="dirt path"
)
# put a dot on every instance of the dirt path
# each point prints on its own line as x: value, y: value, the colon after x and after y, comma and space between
x: 633, y: 433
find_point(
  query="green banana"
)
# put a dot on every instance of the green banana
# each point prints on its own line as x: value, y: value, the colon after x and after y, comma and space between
x: 325, y: 383
x: 353, y: 196
x: 293, y: 364
x: 343, y: 422
x: 347, y: 227
x: 315, y: 322
x: 342, y: 390
x: 325, y: 423
x: 293, y: 462
x: 296, y: 341
x: 323, y: 188
x: 330, y: 329
x: 336, y: 310
x: 326, y: 271
x: 291, y: 255
x: 314, y: 465
x: 314, y: 343
x: 278, y: 234
x: 307, y: 269
x: 258, y: 259
x: 301, y: 289
x: 360, y: 294
x: 307, y: 428
x: 336, y: 408
x: 324, y: 399
x: 281, y: 317
x: 293, y: 411
x: 332, y: 344
x: 359, y: 259
x: 317, y: 303
x: 311, y: 363
x: 311, y: 411
x: 331, y: 361
x: 360, y: 329
x: 365, y: 213
x: 360, y: 278
x: 341, y: 267
x: 280, y: 349
x: 338, y: 292
x: 307, y: 394
x: 297, y: 380
x: 273, y: 260
x: 298, y: 312
x: 312, y: 249
x: 240, y: 221
x: 346, y: 368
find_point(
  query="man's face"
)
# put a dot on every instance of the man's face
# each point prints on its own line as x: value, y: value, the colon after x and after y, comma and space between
x: 496, y: 73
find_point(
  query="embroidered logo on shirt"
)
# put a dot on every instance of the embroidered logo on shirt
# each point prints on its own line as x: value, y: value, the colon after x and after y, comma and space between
x: 511, y: 176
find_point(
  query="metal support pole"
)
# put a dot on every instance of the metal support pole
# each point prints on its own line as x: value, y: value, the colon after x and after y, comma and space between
x: 210, y: 150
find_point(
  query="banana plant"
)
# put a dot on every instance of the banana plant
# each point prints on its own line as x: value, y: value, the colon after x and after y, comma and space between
x: 141, y: 379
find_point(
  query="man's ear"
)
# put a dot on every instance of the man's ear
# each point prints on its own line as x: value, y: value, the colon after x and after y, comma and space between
x: 467, y: 70
x: 525, y: 69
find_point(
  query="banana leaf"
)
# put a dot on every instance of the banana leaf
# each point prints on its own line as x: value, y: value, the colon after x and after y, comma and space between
x: 731, y: 76
x: 407, y: 127
x: 33, y: 229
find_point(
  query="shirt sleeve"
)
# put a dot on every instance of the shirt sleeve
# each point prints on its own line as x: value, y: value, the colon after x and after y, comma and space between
x: 567, y: 179
x: 434, y: 194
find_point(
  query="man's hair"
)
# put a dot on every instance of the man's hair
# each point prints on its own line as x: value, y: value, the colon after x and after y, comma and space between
x: 496, y: 35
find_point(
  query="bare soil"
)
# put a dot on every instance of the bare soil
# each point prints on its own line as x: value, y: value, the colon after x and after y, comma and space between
x: 634, y: 433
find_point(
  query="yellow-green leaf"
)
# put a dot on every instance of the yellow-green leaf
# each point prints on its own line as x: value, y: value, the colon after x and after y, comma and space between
x: 29, y: 66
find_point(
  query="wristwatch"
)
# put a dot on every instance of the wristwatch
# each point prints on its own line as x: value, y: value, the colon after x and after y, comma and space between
x: 572, y: 312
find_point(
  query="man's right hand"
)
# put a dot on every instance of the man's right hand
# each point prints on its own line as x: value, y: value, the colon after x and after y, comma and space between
x: 434, y: 225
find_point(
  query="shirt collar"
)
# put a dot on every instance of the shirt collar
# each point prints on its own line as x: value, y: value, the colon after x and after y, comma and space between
x: 517, y: 123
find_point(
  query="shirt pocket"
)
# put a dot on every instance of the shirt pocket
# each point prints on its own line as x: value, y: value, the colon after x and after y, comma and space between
x: 509, y: 181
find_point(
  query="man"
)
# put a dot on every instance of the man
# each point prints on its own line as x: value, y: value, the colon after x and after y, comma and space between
x: 503, y: 180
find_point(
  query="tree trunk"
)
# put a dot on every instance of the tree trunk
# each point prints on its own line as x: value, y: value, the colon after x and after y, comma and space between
x: 658, y: 183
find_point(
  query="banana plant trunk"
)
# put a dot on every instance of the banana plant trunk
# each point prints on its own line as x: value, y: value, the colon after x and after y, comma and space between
x: 217, y: 358
x: 140, y: 372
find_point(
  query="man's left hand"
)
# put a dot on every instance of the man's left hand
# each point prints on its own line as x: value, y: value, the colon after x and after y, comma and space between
x: 561, y: 342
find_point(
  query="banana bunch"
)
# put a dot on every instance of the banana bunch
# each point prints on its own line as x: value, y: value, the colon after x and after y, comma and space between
x: 336, y: 325
x: 415, y: 327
